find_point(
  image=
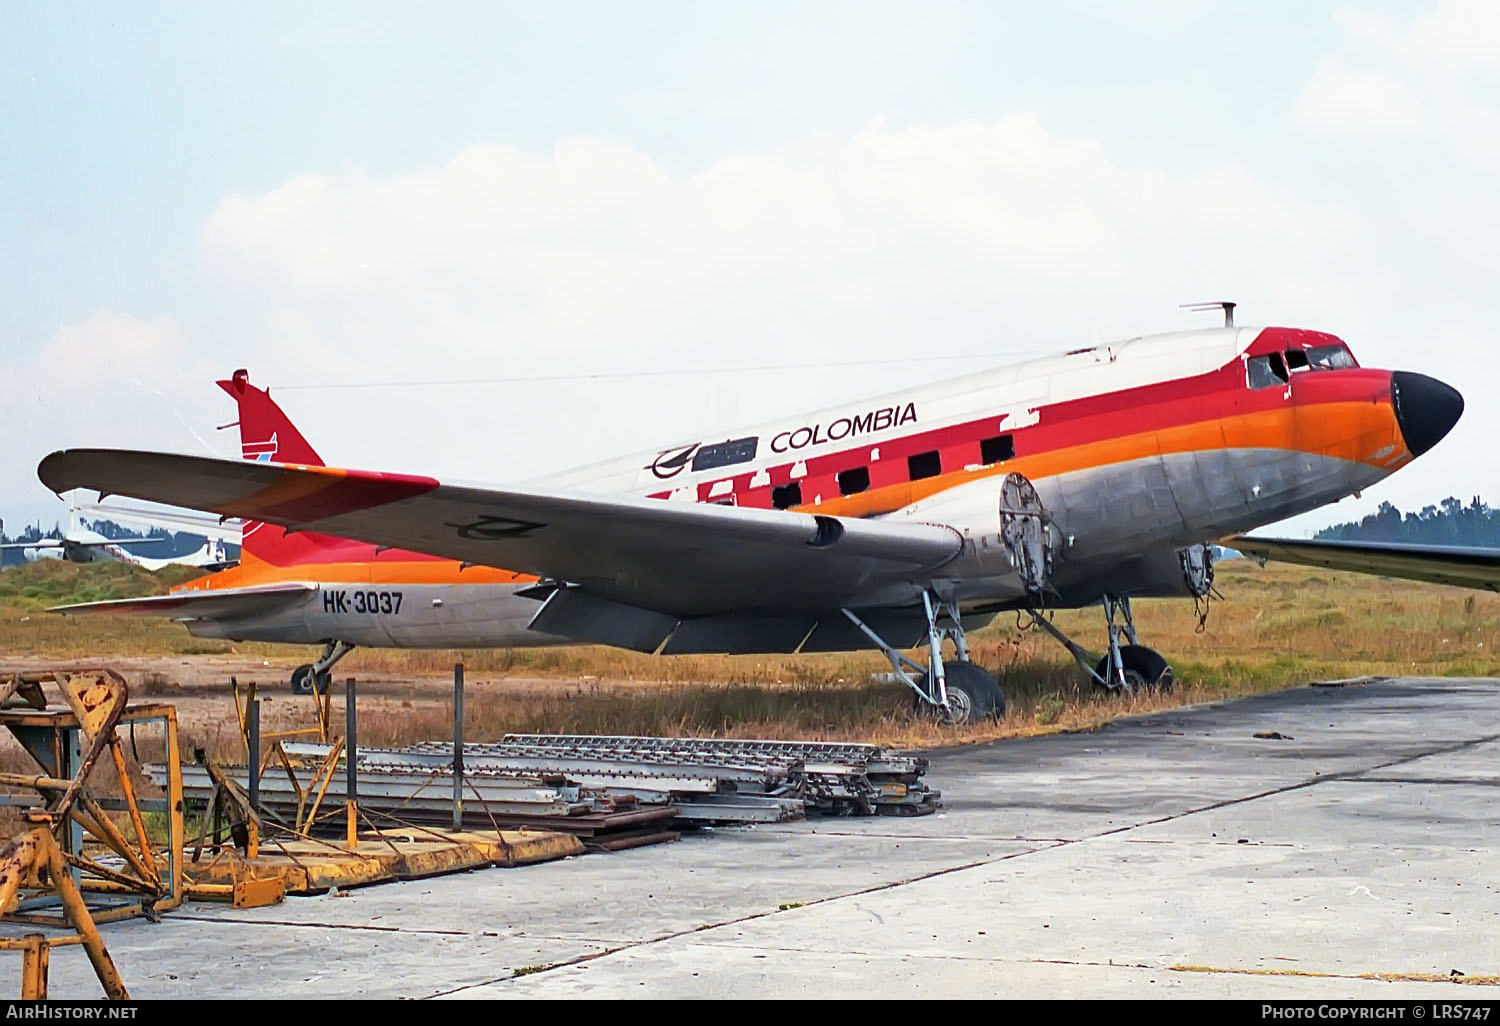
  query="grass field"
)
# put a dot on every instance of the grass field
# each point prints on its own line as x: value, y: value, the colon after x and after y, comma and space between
x: 1279, y: 626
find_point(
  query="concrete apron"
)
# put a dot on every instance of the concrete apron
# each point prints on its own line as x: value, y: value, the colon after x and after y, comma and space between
x: 1168, y: 854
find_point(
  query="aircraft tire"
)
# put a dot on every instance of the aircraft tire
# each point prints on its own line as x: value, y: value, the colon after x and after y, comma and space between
x: 973, y: 694
x: 303, y: 680
x: 1145, y: 670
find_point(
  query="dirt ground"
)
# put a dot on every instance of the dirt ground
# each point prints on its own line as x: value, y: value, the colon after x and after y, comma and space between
x: 200, y: 688
x: 396, y: 709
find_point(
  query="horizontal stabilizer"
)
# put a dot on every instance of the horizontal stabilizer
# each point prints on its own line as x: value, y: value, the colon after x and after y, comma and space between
x: 220, y: 604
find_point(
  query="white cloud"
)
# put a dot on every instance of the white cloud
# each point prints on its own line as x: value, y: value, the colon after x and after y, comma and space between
x: 1360, y: 102
x: 1439, y: 70
x: 1461, y: 34
x: 596, y: 247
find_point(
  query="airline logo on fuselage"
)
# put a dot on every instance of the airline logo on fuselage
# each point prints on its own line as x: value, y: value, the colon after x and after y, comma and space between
x: 882, y: 419
x: 671, y: 462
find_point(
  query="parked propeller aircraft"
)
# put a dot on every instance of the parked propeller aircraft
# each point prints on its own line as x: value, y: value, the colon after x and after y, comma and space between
x: 82, y: 544
x: 898, y: 522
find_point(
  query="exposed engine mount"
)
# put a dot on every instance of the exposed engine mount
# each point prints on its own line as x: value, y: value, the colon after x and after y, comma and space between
x: 1024, y: 529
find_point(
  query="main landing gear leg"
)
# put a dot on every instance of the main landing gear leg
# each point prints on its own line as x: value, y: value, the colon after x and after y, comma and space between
x: 1124, y: 669
x: 319, y: 675
x: 956, y: 690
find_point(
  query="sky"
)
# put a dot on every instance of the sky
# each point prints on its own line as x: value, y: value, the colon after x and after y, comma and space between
x: 348, y: 194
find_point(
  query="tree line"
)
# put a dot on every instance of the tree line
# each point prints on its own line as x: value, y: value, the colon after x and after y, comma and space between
x: 1449, y: 522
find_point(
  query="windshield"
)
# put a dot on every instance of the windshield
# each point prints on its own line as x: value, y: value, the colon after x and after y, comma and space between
x: 1329, y: 358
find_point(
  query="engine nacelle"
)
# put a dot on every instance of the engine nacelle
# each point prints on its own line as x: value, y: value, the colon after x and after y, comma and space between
x: 1012, y: 531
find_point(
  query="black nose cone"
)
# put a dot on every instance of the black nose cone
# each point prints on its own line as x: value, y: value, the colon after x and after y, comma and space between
x: 1426, y: 409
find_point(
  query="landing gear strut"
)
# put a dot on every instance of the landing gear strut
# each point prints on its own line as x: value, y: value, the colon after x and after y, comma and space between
x: 319, y: 675
x: 1124, y: 669
x: 956, y: 690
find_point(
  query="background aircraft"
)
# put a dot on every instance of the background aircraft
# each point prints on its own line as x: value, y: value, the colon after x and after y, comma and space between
x: 1092, y: 477
x: 219, y: 534
x: 82, y: 544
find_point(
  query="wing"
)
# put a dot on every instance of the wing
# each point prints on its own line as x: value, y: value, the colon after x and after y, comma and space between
x: 118, y: 541
x: 219, y: 604
x: 1440, y: 564
x: 683, y: 559
x: 53, y: 543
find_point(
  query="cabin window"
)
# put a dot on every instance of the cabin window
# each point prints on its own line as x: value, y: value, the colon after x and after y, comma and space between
x: 1329, y: 358
x: 924, y: 464
x: 997, y: 449
x: 854, y: 480
x: 1266, y: 371
x: 1296, y: 359
x: 724, y: 454
x: 786, y: 496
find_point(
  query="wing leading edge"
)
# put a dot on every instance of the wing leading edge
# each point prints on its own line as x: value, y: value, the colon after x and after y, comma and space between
x: 685, y: 559
x: 1438, y: 564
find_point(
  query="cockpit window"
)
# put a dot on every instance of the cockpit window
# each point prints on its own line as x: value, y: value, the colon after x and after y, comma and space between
x: 1267, y: 371
x: 1329, y: 358
x: 1296, y: 359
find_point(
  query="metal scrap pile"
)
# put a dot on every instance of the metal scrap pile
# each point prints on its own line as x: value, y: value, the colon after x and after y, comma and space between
x: 737, y: 780
x: 620, y: 787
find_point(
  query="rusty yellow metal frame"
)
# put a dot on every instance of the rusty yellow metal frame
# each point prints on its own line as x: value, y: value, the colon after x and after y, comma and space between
x: 244, y: 697
x: 21, y: 864
x: 96, y: 705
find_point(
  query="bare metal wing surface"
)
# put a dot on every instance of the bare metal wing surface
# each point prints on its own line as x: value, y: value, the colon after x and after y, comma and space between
x: 1440, y: 564
x: 222, y: 603
x: 683, y: 559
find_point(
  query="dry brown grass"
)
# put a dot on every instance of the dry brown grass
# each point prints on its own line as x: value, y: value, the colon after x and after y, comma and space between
x: 1281, y: 626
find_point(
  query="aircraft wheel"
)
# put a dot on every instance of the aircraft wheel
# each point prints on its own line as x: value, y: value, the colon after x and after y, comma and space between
x: 973, y: 695
x: 304, y: 680
x: 1145, y: 670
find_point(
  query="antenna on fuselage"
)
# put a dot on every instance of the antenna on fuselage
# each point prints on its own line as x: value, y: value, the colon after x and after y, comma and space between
x: 1217, y: 304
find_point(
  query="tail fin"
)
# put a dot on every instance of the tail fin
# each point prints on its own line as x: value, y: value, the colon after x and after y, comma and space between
x: 266, y: 433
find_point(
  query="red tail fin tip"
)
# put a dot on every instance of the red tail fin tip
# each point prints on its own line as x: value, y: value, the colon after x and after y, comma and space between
x: 266, y: 432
